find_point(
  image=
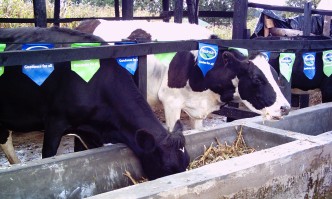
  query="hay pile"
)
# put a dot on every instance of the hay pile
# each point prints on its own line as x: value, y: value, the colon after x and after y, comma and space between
x: 222, y: 152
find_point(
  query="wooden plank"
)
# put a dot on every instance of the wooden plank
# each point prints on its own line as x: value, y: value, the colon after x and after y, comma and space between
x: 39, y: 9
x: 286, y: 32
x: 240, y: 19
x: 307, y: 19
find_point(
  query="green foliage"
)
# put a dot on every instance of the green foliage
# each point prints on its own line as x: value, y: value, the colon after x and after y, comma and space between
x: 299, y: 4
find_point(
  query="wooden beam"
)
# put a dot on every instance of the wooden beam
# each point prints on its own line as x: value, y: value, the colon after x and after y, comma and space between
x: 307, y: 19
x: 39, y: 10
x: 56, y: 12
x: 240, y: 19
x: 178, y: 11
x: 127, y: 9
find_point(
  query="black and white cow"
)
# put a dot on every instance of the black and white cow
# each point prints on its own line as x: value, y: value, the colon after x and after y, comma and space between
x: 181, y: 86
x: 65, y: 103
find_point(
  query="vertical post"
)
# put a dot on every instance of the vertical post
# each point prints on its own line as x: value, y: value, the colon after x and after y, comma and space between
x: 39, y: 10
x: 165, y: 4
x: 127, y: 9
x: 178, y: 11
x: 192, y: 17
x: 307, y: 19
x: 240, y: 19
x: 196, y: 11
x: 56, y: 12
x: 142, y: 75
x: 117, y: 8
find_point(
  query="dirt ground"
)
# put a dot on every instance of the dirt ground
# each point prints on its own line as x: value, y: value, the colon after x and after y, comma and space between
x: 28, y: 145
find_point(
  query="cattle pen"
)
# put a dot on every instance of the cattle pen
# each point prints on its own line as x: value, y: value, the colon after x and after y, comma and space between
x: 292, y: 160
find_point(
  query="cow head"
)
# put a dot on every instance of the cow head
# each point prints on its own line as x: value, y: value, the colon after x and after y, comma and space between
x: 167, y: 157
x: 251, y: 82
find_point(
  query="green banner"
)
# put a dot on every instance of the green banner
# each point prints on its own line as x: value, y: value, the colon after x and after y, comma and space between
x: 327, y: 62
x: 85, y: 68
x: 286, y: 62
x: 165, y: 58
x: 2, y: 48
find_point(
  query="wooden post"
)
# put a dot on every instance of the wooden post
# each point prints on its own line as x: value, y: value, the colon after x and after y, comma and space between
x: 307, y: 19
x: 117, y: 8
x: 165, y: 5
x: 178, y: 11
x: 56, y: 12
x: 142, y: 75
x: 240, y: 19
x: 39, y: 10
x: 326, y: 26
x: 192, y: 16
x: 127, y: 9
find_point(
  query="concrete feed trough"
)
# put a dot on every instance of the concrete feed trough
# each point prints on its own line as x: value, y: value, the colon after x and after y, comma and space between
x: 289, y: 163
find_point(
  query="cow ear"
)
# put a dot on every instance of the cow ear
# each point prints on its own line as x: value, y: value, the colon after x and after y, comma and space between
x: 145, y: 140
x: 234, y: 63
x: 178, y: 127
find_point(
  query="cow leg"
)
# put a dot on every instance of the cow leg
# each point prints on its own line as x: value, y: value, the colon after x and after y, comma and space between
x: 326, y: 90
x: 52, y: 137
x: 196, y: 123
x: 9, y: 150
x: 172, y: 114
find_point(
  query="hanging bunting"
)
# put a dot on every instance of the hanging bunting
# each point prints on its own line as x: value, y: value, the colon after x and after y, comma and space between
x: 266, y: 55
x: 38, y: 72
x: 309, y: 67
x: 85, y: 68
x: 128, y: 63
x: 165, y: 58
x: 327, y: 62
x: 207, y: 56
x: 2, y: 48
x: 286, y: 61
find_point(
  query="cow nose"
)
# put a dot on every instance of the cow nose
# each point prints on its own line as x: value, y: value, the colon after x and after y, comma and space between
x: 285, y: 110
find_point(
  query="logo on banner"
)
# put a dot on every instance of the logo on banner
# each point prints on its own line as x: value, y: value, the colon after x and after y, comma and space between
x: 309, y: 67
x: 266, y: 55
x: 85, y: 68
x: 207, y: 56
x: 2, y: 48
x: 327, y: 62
x: 286, y: 61
x: 38, y: 72
x: 128, y: 63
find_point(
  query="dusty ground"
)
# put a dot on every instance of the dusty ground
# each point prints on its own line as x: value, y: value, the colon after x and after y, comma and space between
x: 28, y: 145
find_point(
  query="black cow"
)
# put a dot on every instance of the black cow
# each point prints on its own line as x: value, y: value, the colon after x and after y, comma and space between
x: 299, y: 80
x: 109, y: 104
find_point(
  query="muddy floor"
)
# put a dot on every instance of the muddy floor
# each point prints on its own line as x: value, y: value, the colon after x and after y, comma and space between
x: 28, y: 145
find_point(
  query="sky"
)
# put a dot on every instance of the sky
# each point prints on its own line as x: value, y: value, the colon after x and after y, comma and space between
x: 269, y: 2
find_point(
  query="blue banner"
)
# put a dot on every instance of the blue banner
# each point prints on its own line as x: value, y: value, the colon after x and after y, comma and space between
x: 207, y: 56
x: 38, y: 72
x: 266, y: 55
x: 129, y: 63
x: 309, y: 67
